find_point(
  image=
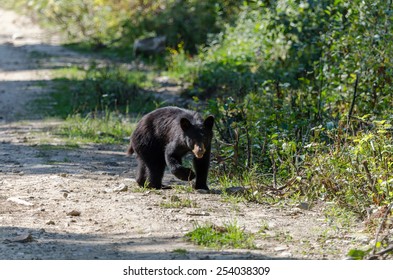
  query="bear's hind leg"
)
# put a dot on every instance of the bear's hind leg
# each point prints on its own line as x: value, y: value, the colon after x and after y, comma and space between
x: 155, y: 173
x: 141, y: 174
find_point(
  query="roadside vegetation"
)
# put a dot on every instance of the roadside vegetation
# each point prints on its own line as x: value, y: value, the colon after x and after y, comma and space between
x: 302, y: 91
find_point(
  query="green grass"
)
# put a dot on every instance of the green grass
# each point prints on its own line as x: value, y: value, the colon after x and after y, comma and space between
x: 183, y: 188
x: 177, y: 202
x: 227, y: 236
x: 339, y: 217
x: 180, y: 251
x: 106, y: 129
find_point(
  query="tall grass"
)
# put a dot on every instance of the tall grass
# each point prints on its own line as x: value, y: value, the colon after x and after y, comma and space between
x: 107, y: 128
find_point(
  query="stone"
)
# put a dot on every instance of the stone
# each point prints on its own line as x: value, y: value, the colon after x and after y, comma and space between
x: 74, y: 213
x: 121, y: 188
x: 280, y: 248
x: 198, y: 213
x: 304, y: 206
x: 17, y: 36
x: 19, y: 201
x: 202, y: 191
x: 235, y: 190
x: 149, y: 46
x: 285, y: 255
x: 23, y: 238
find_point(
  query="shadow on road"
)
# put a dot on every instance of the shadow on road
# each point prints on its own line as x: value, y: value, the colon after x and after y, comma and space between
x: 43, y: 244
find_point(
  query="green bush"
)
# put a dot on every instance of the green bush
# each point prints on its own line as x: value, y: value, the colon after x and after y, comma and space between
x: 276, y: 41
x: 355, y: 171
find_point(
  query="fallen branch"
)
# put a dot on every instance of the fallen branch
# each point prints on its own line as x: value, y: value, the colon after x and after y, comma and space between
x: 382, y: 252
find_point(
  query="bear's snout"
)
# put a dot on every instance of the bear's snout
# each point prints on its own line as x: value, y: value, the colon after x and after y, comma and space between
x: 199, y: 150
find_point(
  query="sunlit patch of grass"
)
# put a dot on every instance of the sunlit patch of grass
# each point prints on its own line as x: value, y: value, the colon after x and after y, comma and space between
x: 106, y: 129
x: 229, y: 235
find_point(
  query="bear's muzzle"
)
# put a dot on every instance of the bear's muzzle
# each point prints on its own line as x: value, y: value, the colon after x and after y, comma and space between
x: 199, y: 150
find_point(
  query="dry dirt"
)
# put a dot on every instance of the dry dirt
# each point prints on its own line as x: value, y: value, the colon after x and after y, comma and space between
x: 58, y: 202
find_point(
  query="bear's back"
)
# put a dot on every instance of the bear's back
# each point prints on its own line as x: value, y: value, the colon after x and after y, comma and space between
x: 162, y: 126
x: 168, y: 118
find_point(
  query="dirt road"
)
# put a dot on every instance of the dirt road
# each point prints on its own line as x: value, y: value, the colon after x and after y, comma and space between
x: 59, y: 202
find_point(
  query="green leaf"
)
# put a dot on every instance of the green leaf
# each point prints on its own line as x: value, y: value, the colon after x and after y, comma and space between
x: 357, y: 254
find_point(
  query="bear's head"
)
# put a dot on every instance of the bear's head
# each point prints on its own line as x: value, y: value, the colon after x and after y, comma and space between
x: 198, y: 136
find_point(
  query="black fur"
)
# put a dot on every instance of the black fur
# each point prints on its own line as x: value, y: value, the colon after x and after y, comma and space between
x: 163, y: 137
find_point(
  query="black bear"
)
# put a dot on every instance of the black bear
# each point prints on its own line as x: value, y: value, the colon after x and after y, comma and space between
x: 163, y: 137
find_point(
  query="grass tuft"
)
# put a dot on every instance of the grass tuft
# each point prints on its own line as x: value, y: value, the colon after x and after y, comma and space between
x: 107, y: 129
x: 228, y: 236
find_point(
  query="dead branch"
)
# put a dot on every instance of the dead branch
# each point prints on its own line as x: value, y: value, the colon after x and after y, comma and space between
x: 382, y: 252
x: 274, y: 170
x: 379, y: 231
x: 353, y: 99
x: 370, y: 179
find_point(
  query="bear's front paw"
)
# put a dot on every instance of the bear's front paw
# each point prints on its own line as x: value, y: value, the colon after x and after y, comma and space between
x: 183, y: 173
x: 201, y: 187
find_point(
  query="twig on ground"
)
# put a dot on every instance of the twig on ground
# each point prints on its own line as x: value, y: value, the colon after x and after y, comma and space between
x: 382, y: 252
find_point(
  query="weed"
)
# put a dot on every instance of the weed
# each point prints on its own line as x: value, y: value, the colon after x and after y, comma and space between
x: 282, y: 236
x: 180, y: 251
x: 264, y: 226
x: 358, y: 254
x: 338, y: 217
x: 146, y: 190
x: 227, y: 236
x: 183, y: 188
x: 177, y: 202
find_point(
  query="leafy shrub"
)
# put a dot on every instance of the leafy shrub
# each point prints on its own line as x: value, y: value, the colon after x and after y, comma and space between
x: 355, y: 171
x: 356, y: 49
x: 276, y: 41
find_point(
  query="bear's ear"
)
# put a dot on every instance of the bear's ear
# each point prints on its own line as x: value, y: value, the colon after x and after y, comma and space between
x: 185, y: 124
x: 209, y: 122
